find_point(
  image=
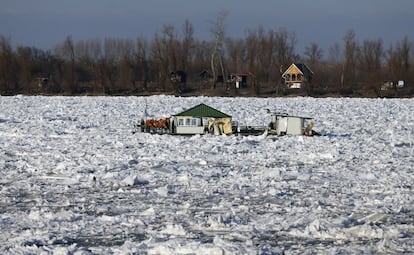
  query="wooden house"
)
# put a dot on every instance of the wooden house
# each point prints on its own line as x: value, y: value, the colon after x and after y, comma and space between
x: 297, y: 76
x: 201, y: 119
x: 392, y: 85
x: 178, y: 77
x: 239, y: 80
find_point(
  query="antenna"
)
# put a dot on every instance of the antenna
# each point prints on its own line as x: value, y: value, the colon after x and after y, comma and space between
x: 145, y: 109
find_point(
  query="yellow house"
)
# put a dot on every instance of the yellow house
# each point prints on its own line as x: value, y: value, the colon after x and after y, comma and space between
x: 297, y: 76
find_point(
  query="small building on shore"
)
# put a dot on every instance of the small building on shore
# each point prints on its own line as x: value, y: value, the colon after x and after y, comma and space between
x: 297, y: 76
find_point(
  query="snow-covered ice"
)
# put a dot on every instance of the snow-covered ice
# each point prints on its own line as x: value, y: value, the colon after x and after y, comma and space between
x: 75, y: 180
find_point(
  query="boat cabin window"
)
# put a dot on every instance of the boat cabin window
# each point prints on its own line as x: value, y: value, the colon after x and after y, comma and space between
x: 189, y: 122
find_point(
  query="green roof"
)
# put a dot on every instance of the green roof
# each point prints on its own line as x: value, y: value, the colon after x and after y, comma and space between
x: 203, y: 110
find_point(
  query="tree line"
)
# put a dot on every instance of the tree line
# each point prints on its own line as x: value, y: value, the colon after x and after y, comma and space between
x: 112, y: 66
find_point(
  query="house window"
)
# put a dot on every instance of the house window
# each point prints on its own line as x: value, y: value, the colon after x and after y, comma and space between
x: 193, y: 122
x: 180, y: 122
x: 288, y: 77
x: 187, y: 122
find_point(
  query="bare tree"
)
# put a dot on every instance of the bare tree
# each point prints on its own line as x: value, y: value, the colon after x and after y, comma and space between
x: 8, y: 68
x: 98, y: 64
x: 335, y: 66
x: 252, y: 57
x: 25, y: 61
x: 186, y: 44
x: 265, y: 54
x: 160, y: 59
x: 350, y: 54
x: 236, y: 52
x: 335, y: 54
x: 313, y: 54
x: 218, y: 31
x: 126, y: 65
x: 398, y: 60
x: 285, y: 47
x: 171, y: 45
x: 89, y: 54
x: 69, y: 49
x: 370, y: 57
x: 66, y: 51
x: 200, y: 59
x: 252, y: 51
x: 284, y: 52
x: 111, y: 57
x: 142, y: 61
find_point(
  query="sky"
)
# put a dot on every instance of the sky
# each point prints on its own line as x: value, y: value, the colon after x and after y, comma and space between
x: 46, y: 23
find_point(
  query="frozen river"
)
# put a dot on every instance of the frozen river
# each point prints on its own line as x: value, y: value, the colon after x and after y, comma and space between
x: 75, y: 180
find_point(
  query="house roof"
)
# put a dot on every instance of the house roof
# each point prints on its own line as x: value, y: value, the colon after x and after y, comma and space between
x: 302, y: 68
x: 203, y: 110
